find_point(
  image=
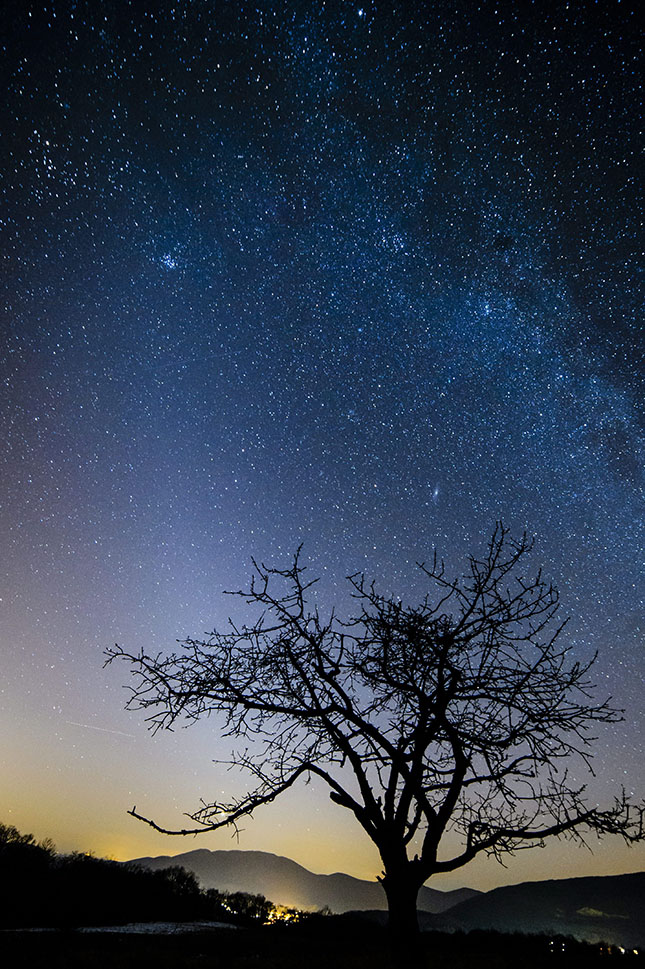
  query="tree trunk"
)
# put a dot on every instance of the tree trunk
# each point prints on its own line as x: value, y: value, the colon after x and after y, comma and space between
x: 401, y: 890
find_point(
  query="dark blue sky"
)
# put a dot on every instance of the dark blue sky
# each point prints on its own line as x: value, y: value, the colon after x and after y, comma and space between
x: 360, y: 276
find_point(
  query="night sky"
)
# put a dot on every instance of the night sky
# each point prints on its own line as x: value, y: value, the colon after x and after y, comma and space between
x: 358, y: 276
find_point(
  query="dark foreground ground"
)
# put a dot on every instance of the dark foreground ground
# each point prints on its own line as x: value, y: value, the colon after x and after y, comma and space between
x: 336, y: 946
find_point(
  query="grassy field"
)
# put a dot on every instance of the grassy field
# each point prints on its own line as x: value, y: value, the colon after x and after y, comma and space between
x: 337, y: 947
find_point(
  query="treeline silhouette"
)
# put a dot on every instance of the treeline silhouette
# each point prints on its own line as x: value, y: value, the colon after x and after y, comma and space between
x: 44, y: 888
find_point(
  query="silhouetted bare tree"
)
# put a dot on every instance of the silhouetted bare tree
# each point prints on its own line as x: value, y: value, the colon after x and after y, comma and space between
x: 454, y: 715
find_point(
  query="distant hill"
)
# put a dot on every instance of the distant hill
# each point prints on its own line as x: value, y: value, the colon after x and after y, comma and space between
x: 287, y: 883
x: 608, y: 908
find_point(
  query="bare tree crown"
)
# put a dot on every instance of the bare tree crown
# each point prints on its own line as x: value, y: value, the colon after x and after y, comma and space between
x: 458, y: 714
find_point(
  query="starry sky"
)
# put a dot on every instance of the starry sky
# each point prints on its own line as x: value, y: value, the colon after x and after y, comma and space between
x: 358, y: 276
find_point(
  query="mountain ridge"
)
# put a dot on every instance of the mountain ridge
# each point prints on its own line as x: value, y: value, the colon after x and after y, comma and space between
x: 597, y: 908
x: 286, y: 882
x: 601, y: 907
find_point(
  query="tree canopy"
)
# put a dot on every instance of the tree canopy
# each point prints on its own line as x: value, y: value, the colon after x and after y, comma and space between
x: 458, y: 714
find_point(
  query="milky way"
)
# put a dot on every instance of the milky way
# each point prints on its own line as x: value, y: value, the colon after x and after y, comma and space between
x: 362, y: 277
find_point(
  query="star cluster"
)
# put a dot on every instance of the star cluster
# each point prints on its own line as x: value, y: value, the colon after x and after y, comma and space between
x: 359, y: 277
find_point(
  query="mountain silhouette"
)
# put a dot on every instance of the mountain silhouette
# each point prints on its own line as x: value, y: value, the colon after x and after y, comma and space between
x: 287, y: 883
x: 608, y: 908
